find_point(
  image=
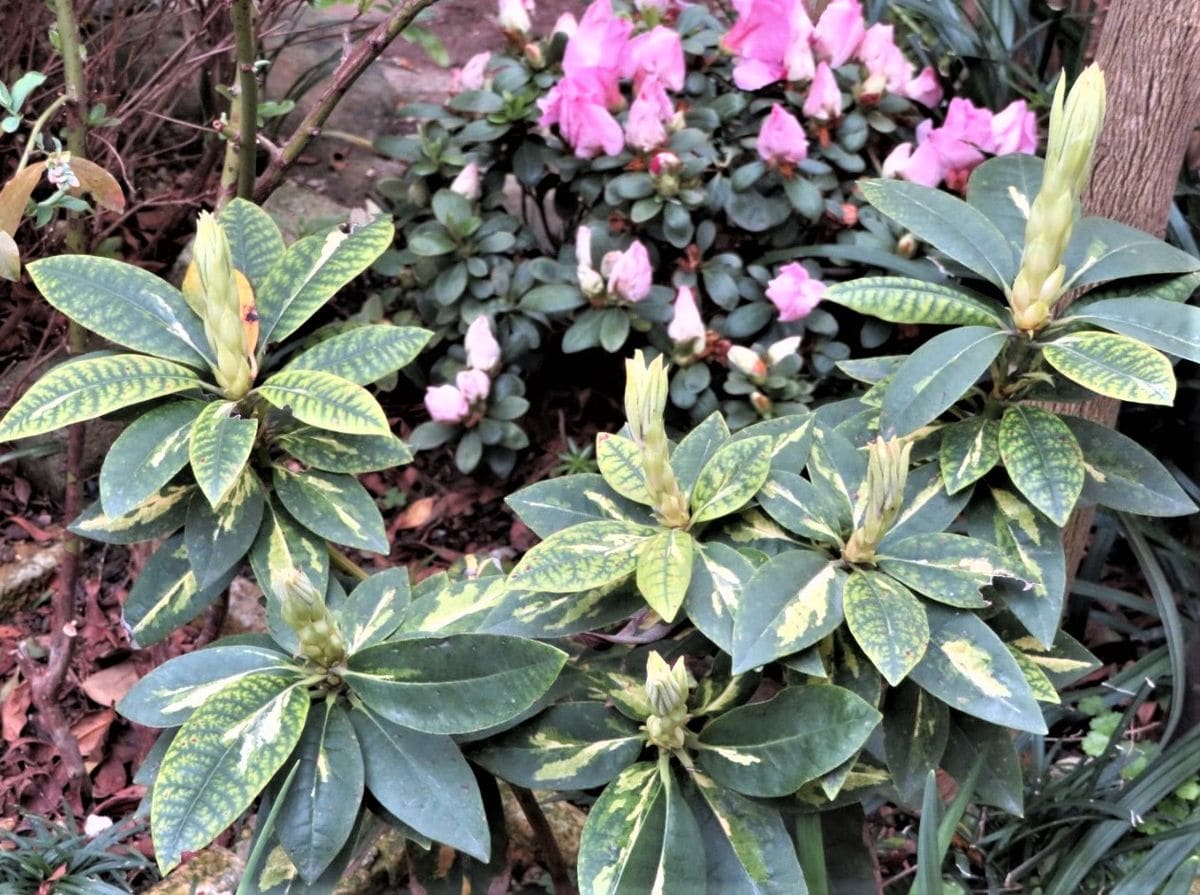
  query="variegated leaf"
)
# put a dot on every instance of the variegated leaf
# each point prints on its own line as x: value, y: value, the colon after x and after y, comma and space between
x: 312, y: 270
x: 969, y: 451
x: 903, y: 300
x: 168, y: 695
x: 374, y: 609
x: 1036, y: 543
x: 573, y: 745
x: 337, y: 452
x: 125, y: 304
x: 254, y: 241
x: 719, y: 573
x: 915, y: 728
x: 926, y: 507
x: 281, y: 546
x: 1063, y: 662
x: 217, y: 540
x: 1039, y: 683
x: 970, y: 669
x: 1123, y: 475
x: 792, y: 602
x: 165, y: 595
x: 837, y: 468
x: 459, y: 607
x: 325, y: 401
x: 664, y: 570
x: 223, y: 756
x: 696, y: 449
x: 946, y: 567
x: 1113, y: 365
x: 92, y: 386
x: 365, y: 353
x: 219, y: 447
x: 731, y: 478
x: 791, y: 439
x: 155, y: 517
x: 581, y: 557
x: 1169, y: 326
x: 1043, y: 459
x: 801, y: 507
x: 887, y: 621
x: 146, y: 456
x: 1102, y: 249
x: 552, y: 615
x: 334, y: 506
x: 761, y: 750
x: 620, y: 462
x: 554, y: 504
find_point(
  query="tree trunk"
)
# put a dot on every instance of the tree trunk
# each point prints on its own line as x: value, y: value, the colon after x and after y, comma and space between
x: 1148, y: 61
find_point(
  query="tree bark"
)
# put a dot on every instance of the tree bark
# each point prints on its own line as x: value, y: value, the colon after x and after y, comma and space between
x: 1148, y: 62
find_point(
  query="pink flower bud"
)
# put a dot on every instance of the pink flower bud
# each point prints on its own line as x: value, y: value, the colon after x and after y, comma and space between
x: 467, y: 183
x: 839, y: 31
x: 446, y: 404
x: 629, y: 273
x: 566, y: 24
x: 686, y: 327
x: 783, y: 348
x: 794, y: 292
x: 474, y: 385
x: 514, y: 16
x: 824, y: 100
x: 483, y: 351
x: 781, y: 138
x: 657, y: 54
x: 664, y: 163
x: 590, y: 281
x: 473, y: 75
x: 747, y: 362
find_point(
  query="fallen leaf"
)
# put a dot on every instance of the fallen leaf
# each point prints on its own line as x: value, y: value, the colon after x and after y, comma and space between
x: 90, y: 731
x: 109, y: 685
x: 14, y: 712
x: 416, y: 515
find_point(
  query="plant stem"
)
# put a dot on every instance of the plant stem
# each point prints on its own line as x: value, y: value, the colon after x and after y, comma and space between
x: 237, y: 175
x: 810, y: 849
x: 351, y: 66
x: 40, y: 123
x: 346, y: 564
x: 556, y: 866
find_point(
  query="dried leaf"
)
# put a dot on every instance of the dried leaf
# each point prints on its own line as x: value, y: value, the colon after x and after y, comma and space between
x: 15, y: 196
x: 107, y: 686
x: 102, y: 185
x: 417, y: 514
x: 90, y: 731
x: 14, y: 712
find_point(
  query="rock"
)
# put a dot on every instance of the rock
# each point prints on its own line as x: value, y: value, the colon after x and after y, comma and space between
x: 215, y: 871
x: 246, y: 613
x: 300, y: 210
x: 27, y: 574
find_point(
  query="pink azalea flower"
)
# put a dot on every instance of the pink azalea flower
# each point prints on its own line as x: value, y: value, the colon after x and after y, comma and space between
x: 824, y: 100
x: 772, y: 39
x: 599, y: 41
x: 794, y: 292
x: 473, y: 385
x: 1014, y: 129
x: 839, y: 31
x: 446, y: 404
x: 645, y: 128
x: 925, y: 88
x: 657, y: 54
x: 921, y: 165
x: 483, y: 351
x: 664, y: 163
x: 473, y: 75
x: 579, y: 106
x: 686, y: 327
x: 887, y: 66
x: 628, y: 273
x: 781, y: 138
x: 969, y: 123
x: 467, y: 183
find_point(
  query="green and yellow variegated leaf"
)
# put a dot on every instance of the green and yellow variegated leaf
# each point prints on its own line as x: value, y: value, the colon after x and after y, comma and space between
x: 714, y: 593
x: 970, y: 669
x: 753, y: 526
x: 573, y: 745
x: 1123, y: 475
x: 969, y: 451
x: 255, y: 243
x: 311, y: 271
x: 552, y: 615
x: 125, y: 304
x: 903, y: 300
x: 1036, y: 542
x: 746, y: 845
x: 217, y: 540
x: 887, y: 621
x: 336, y: 507
x: 223, y: 756
x: 581, y: 557
x: 336, y: 452
x: 936, y: 375
x: 456, y: 684
x: 946, y: 567
x: 146, y: 456
x: 915, y: 728
x: 365, y: 353
x: 554, y: 504
x: 760, y: 750
x: 801, y: 507
x: 92, y: 386
x: 731, y: 478
x: 926, y: 507
x: 155, y: 517
x: 317, y: 813
x: 696, y: 448
x: 281, y: 546
x: 1063, y: 663
x: 792, y: 602
x: 1101, y: 250
x: 837, y: 468
x: 620, y: 462
x: 664, y: 570
x: 325, y: 401
x: 1113, y: 365
x: 1169, y: 326
x: 172, y: 691
x: 640, y: 836
x: 1043, y: 459
x: 1039, y: 683
x: 165, y: 595
x: 374, y: 609
x: 458, y: 608
x: 791, y: 439
x: 219, y: 446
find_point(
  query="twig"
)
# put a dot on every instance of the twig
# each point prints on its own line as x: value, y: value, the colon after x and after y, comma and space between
x: 556, y: 866
x: 237, y: 175
x: 349, y: 69
x: 37, y: 129
x: 346, y: 564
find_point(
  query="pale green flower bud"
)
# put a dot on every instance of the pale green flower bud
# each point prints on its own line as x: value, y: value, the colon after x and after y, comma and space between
x: 216, y: 291
x: 887, y: 474
x: 645, y: 402
x: 305, y: 612
x: 667, y: 690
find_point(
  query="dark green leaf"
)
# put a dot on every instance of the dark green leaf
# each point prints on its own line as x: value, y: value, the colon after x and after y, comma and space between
x: 165, y: 596
x: 146, y: 456
x: 1123, y: 475
x: 916, y: 726
x: 219, y: 447
x: 217, y: 540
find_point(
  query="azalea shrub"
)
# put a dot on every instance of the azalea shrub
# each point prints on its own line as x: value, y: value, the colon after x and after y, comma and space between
x: 652, y: 175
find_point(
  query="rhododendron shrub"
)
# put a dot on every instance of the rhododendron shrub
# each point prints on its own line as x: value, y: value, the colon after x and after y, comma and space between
x: 641, y: 150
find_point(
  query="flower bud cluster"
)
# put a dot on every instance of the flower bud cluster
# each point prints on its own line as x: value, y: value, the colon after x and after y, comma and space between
x: 222, y: 297
x: 467, y: 398
x: 645, y: 402
x: 667, y: 688
x: 624, y: 276
x: 305, y: 612
x: 887, y: 473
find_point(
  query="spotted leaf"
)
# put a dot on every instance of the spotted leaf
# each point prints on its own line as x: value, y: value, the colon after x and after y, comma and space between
x: 887, y: 621
x: 969, y: 451
x: 1113, y: 365
x: 902, y: 300
x: 581, y: 557
x: 664, y: 569
x: 219, y: 446
x: 1043, y: 459
x: 325, y: 401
